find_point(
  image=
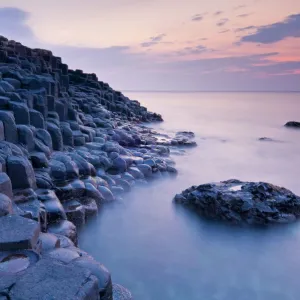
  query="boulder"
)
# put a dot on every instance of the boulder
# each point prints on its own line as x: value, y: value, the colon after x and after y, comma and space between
x: 242, y: 202
x: 293, y: 124
x: 21, y: 173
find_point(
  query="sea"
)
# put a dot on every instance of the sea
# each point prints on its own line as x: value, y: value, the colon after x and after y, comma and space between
x: 161, y: 251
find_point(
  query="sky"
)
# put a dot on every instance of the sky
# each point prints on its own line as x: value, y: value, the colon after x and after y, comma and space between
x: 168, y: 45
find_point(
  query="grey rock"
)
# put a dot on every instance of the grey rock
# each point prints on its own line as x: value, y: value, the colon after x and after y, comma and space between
x: 65, y: 228
x: 63, y: 255
x: 102, y: 274
x: 49, y: 279
x: 121, y: 293
x: 5, y: 205
x: 49, y: 242
x: 18, y: 233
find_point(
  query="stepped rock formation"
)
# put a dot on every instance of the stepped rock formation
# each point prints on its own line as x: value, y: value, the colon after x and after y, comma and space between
x: 69, y: 143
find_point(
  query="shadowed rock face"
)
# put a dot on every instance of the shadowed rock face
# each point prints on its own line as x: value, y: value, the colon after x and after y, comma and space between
x: 242, y: 202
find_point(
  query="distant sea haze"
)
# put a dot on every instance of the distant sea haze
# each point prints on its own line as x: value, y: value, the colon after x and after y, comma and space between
x: 164, y: 252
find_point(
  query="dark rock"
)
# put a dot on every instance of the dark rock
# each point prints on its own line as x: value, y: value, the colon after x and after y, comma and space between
x: 26, y: 138
x: 10, y: 128
x: 21, y: 112
x: 36, y: 119
x: 58, y: 170
x: 242, y: 202
x: 20, y: 172
x: 53, y: 207
x: 57, y: 140
x: 39, y: 160
x: 5, y: 185
x: 293, y: 124
x: 75, y: 212
x: 45, y: 137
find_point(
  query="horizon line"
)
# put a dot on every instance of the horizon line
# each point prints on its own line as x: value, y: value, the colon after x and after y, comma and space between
x: 208, y: 91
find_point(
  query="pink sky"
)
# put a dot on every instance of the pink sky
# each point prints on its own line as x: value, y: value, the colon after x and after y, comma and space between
x: 167, y: 44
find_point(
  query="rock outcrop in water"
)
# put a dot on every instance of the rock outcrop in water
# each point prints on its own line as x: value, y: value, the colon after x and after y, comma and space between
x: 242, y: 202
x: 293, y: 124
x: 69, y: 143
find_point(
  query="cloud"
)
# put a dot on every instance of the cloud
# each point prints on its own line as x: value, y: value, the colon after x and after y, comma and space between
x: 244, y: 15
x: 275, y: 32
x: 245, y: 28
x: 240, y: 7
x: 153, y: 41
x: 222, y: 22
x: 13, y: 24
x: 219, y: 12
x: 224, y: 31
x: 197, y: 17
x: 193, y: 50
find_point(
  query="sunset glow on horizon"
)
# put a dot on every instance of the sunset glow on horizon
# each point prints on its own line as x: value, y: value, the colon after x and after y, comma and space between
x: 134, y: 44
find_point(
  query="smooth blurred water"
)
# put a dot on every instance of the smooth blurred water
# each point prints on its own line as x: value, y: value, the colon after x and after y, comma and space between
x: 161, y: 251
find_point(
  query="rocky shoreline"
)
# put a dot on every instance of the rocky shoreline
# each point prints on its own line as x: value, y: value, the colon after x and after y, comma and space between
x: 69, y: 143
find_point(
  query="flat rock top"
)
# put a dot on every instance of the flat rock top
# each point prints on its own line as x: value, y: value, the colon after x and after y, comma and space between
x: 237, y: 201
x: 48, y: 279
x: 16, y: 229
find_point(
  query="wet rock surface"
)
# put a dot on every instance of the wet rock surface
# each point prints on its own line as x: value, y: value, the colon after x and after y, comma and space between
x: 239, y: 202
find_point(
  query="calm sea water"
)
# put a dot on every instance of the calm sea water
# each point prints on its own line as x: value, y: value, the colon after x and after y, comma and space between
x: 162, y: 252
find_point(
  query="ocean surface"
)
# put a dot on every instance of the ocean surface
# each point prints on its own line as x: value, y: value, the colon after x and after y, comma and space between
x: 161, y: 251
